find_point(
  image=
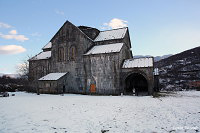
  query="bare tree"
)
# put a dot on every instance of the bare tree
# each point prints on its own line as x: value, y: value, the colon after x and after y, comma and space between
x: 23, y: 68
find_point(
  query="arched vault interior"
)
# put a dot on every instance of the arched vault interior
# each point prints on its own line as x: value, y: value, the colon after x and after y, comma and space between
x: 136, y: 83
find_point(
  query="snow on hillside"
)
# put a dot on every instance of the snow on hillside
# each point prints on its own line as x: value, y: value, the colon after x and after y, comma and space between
x: 30, y: 113
x: 180, y: 71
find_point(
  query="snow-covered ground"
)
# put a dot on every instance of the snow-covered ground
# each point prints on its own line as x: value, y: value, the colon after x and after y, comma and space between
x: 31, y: 113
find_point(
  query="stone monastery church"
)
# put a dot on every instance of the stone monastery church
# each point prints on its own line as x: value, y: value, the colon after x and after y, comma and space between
x: 81, y: 59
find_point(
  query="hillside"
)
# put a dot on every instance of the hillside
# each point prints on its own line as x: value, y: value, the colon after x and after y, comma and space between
x: 156, y: 58
x: 180, y: 71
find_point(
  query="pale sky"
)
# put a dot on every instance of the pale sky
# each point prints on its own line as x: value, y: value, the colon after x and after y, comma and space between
x: 157, y: 27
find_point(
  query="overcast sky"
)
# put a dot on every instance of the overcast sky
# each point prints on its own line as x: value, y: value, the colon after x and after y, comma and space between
x: 157, y: 27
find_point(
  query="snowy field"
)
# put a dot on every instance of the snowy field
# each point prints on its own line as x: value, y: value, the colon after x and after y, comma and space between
x: 31, y: 113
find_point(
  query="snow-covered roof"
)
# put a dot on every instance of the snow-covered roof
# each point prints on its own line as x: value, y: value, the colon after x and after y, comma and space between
x: 108, y: 48
x: 139, y: 62
x: 47, y: 46
x: 111, y: 34
x: 52, y: 76
x: 42, y: 55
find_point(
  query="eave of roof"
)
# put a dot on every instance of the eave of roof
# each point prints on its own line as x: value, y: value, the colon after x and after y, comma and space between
x: 42, y: 56
x: 52, y: 76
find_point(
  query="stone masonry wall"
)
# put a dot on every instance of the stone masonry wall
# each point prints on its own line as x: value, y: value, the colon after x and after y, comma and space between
x: 74, y: 38
x: 38, y: 69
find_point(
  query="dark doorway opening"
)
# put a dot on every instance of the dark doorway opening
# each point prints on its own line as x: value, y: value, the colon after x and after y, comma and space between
x: 63, y: 88
x: 136, y: 83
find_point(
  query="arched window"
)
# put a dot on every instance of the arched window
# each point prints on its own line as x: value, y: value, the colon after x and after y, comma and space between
x: 48, y: 67
x: 68, y: 54
x: 73, y: 53
x: 60, y: 54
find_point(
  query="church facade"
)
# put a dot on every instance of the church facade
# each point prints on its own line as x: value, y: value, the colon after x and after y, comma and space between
x: 88, y: 61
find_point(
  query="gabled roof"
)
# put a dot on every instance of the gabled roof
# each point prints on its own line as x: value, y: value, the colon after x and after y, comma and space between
x: 68, y: 22
x: 52, y: 76
x: 111, y: 34
x: 139, y: 62
x: 42, y: 56
x: 108, y: 48
x: 47, y: 46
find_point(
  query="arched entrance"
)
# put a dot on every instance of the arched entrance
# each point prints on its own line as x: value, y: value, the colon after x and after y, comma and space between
x: 136, y: 83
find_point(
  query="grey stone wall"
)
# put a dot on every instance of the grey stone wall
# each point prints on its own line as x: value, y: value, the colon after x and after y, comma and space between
x: 47, y: 87
x: 38, y: 69
x: 125, y: 53
x: 103, y: 70
x: 109, y: 41
x: 75, y: 67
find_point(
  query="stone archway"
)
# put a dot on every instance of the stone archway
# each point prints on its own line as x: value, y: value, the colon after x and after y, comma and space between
x: 136, y: 83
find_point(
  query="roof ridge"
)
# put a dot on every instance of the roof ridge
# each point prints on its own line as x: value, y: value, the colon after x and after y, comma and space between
x: 114, y: 29
x: 67, y: 21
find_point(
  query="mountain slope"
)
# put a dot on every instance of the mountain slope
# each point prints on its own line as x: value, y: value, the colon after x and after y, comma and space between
x: 10, y: 75
x: 156, y: 58
x: 180, y: 71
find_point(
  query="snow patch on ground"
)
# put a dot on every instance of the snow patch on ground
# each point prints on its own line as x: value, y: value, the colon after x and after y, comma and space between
x: 30, y: 113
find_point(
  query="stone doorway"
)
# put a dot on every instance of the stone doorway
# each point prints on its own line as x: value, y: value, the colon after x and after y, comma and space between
x: 136, y: 83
